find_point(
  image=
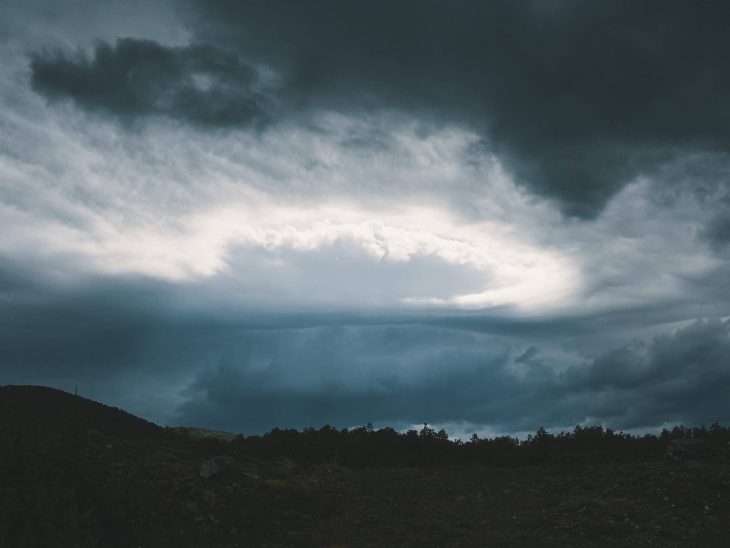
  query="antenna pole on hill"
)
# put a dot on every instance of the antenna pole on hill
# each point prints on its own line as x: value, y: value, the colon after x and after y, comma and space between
x: 76, y: 390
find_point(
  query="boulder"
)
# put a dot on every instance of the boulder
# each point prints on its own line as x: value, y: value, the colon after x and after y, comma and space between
x: 215, y: 466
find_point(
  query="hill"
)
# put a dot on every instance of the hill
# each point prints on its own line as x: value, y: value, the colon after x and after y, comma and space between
x: 42, y: 407
x: 81, y: 474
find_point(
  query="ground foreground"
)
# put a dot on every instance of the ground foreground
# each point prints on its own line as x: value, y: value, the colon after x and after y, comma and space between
x: 75, y: 473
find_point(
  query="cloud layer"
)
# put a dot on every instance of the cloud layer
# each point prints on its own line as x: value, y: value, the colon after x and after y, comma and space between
x: 156, y: 350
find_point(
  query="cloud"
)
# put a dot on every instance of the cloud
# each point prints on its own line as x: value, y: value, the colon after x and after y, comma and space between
x: 577, y: 100
x: 56, y: 330
x: 329, y: 224
x: 379, y: 233
x: 717, y: 231
x: 673, y: 378
x: 174, y: 354
x: 316, y: 216
x: 416, y: 374
x: 326, y: 211
x: 201, y: 84
x: 347, y: 375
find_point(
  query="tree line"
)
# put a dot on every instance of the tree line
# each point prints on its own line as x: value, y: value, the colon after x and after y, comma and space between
x: 367, y: 446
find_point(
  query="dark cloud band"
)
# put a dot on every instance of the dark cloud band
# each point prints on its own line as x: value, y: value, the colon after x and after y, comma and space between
x: 577, y: 98
x: 677, y: 378
x: 200, y: 84
x: 252, y: 372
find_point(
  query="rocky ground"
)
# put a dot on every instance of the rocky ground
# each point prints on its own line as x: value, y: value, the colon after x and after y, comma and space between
x: 91, y: 487
x: 280, y: 504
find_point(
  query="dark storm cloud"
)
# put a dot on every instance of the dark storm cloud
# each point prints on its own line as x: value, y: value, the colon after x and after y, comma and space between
x: 717, y: 231
x: 287, y: 379
x: 200, y: 84
x: 51, y: 332
x: 673, y: 378
x: 344, y: 375
x: 576, y: 97
x: 143, y: 345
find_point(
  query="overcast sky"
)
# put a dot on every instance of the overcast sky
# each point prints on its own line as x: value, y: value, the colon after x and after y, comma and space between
x: 489, y: 216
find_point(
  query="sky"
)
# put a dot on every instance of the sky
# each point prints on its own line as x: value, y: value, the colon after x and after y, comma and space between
x: 488, y: 216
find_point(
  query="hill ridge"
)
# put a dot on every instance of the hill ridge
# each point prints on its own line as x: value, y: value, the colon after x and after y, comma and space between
x: 52, y: 408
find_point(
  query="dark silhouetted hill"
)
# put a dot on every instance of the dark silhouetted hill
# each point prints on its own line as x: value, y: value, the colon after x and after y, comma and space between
x: 41, y: 407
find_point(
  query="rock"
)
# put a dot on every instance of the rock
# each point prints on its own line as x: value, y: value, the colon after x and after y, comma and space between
x: 204, y: 433
x: 215, y: 466
x: 251, y: 476
x: 284, y: 465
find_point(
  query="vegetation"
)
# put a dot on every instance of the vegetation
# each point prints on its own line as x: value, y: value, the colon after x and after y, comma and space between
x: 365, y: 446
